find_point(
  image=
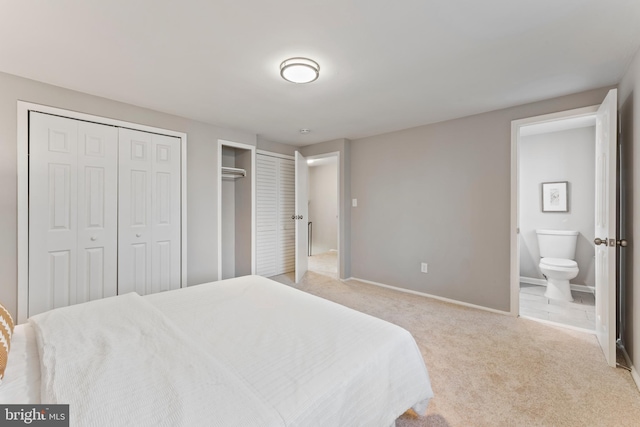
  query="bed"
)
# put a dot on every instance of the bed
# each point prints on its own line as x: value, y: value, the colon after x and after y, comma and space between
x: 247, y: 351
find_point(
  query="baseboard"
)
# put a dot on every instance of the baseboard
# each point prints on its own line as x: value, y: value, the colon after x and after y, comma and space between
x: 422, y: 294
x: 542, y: 282
x: 634, y: 373
x: 558, y: 325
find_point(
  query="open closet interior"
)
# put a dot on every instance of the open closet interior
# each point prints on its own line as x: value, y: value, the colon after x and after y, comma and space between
x: 236, y: 211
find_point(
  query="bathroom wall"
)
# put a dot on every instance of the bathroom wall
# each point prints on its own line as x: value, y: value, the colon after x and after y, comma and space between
x: 567, y: 155
x: 323, y: 206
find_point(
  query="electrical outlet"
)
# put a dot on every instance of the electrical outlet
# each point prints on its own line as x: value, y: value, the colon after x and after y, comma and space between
x: 424, y: 267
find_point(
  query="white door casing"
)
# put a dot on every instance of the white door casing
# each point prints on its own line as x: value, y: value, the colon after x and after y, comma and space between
x: 72, y: 213
x: 605, y: 225
x: 301, y: 215
x: 149, y: 212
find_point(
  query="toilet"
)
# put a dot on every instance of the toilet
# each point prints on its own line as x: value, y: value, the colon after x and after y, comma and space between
x: 557, y: 253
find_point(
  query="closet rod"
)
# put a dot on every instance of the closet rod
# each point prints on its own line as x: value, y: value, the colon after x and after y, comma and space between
x: 234, y: 173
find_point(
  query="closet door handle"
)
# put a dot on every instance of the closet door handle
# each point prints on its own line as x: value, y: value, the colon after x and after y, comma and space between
x: 293, y: 217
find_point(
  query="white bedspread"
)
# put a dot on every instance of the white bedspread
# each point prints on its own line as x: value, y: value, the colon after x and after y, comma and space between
x: 121, y: 361
x: 316, y: 362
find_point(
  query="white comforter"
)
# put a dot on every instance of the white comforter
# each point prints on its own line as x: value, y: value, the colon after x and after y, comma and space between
x: 120, y: 362
x: 239, y: 352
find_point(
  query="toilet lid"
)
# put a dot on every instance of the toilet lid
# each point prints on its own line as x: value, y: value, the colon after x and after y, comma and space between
x: 559, y: 262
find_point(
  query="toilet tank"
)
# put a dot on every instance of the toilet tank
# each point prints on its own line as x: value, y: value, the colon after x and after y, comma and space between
x: 557, y: 243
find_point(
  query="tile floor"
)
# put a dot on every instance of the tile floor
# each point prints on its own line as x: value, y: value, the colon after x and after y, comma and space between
x: 579, y: 313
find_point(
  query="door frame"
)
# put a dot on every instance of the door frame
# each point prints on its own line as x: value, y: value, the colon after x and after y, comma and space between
x: 335, y: 154
x: 23, y: 109
x: 514, y: 225
x: 251, y: 148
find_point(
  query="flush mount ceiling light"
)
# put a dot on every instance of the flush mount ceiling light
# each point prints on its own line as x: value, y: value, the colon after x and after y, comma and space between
x: 299, y: 70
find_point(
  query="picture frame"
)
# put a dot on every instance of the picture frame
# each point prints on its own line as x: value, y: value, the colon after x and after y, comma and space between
x: 555, y: 196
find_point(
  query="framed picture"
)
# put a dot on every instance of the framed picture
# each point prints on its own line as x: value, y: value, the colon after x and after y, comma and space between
x: 555, y: 196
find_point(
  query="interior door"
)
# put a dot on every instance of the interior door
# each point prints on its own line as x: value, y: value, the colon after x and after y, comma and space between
x: 301, y: 215
x: 605, y: 225
x: 72, y: 211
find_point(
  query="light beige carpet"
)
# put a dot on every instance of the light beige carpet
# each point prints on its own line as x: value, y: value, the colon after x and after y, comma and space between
x: 494, y: 370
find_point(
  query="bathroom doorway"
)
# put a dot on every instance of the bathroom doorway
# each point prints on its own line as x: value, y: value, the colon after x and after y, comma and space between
x: 557, y: 197
x: 324, y: 206
x: 557, y: 157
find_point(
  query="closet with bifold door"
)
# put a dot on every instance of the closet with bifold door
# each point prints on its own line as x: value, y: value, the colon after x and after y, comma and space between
x: 104, y: 212
x: 236, y: 209
x: 275, y: 204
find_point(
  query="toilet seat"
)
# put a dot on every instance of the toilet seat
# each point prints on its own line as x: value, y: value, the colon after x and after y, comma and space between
x: 558, y: 263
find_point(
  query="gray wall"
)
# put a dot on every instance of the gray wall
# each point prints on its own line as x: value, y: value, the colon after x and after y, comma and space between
x: 568, y: 155
x: 201, y: 172
x: 323, y: 206
x: 629, y: 103
x: 441, y: 194
x: 276, y: 147
x: 343, y: 146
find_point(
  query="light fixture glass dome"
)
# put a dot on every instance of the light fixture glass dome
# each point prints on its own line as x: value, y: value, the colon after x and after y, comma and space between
x: 299, y: 70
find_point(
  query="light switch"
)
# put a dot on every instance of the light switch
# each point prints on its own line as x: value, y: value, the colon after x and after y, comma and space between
x: 354, y: 203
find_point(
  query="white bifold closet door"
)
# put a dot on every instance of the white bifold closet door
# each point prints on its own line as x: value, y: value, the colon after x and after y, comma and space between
x: 149, y: 212
x: 73, y: 191
x: 104, y: 212
x: 275, y: 230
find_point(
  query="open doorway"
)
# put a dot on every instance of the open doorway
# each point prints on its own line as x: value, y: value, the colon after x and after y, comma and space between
x: 323, y: 219
x: 556, y: 219
x: 606, y: 242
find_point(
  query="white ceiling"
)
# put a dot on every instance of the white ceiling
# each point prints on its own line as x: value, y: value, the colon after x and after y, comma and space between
x: 385, y: 65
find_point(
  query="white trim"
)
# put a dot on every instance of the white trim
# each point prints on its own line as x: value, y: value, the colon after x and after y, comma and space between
x: 23, y: 212
x: 278, y: 155
x: 23, y: 109
x: 634, y: 372
x: 514, y: 255
x: 422, y: 294
x: 252, y: 148
x: 542, y: 282
x: 560, y: 325
x: 533, y: 281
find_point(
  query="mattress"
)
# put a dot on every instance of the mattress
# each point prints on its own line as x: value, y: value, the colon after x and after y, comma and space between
x: 311, y: 360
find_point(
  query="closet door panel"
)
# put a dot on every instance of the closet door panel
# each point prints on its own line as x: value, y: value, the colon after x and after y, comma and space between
x: 53, y: 188
x: 165, y: 213
x: 149, y: 212
x: 97, y: 211
x: 266, y: 215
x: 286, y: 231
x: 134, y: 212
x: 72, y: 211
